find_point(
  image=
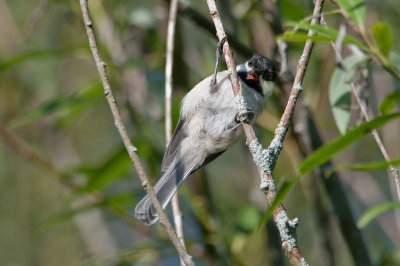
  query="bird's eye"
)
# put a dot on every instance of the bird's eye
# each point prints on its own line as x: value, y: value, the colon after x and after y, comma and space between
x: 250, y: 64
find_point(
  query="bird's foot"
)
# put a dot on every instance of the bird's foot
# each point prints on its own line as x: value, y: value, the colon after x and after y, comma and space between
x: 245, y: 116
x: 219, y: 52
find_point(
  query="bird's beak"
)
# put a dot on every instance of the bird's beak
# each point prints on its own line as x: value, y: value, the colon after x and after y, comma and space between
x: 252, y: 76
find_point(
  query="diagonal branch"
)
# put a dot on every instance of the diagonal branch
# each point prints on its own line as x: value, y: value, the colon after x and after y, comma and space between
x: 101, y: 68
x: 176, y: 211
x: 27, y: 152
x: 266, y: 159
x: 310, y: 140
x: 357, y: 88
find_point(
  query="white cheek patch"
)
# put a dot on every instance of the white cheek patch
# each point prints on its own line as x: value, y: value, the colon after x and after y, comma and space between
x: 247, y: 67
x: 267, y: 87
x: 241, y: 68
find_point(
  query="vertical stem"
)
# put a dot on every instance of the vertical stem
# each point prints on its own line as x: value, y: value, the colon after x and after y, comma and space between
x: 363, y: 106
x: 176, y: 211
x: 266, y: 163
x: 102, y: 69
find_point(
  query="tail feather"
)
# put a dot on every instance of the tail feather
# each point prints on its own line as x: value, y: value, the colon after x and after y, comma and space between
x: 164, y: 189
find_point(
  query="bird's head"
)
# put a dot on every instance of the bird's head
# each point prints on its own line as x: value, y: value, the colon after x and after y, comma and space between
x: 258, y: 73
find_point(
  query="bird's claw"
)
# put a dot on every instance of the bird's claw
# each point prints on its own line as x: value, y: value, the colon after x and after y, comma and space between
x: 245, y: 116
x: 219, y: 52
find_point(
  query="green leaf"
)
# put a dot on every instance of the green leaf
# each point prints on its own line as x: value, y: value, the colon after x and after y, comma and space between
x: 248, y: 218
x: 292, y: 10
x: 390, y: 102
x: 39, y: 54
x: 383, y: 37
x: 283, y: 191
x: 330, y: 33
x: 368, y: 166
x: 340, y: 91
x: 326, y: 152
x: 62, y: 106
x: 356, y: 10
x: 121, y: 200
x: 116, y: 166
x: 63, y: 217
x: 375, y: 211
x: 58, y: 104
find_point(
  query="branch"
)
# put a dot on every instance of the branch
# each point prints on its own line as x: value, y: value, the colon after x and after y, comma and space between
x: 27, y: 152
x: 37, y: 14
x: 207, y: 25
x: 308, y: 142
x: 357, y: 88
x: 101, y: 68
x: 266, y: 159
x: 176, y: 211
x: 309, y: 139
x: 24, y: 150
x: 372, y: 49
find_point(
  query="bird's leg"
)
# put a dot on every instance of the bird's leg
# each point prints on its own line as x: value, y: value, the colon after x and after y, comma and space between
x: 245, y: 116
x: 219, y: 52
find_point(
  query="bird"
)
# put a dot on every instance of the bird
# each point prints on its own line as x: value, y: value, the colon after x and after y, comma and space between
x: 209, y: 124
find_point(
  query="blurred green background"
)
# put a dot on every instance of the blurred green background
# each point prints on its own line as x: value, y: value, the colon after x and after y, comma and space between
x: 76, y: 208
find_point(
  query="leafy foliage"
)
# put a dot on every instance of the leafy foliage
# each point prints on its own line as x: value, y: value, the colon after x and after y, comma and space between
x: 356, y: 10
x: 375, y: 211
x: 325, y: 153
x: 390, y: 102
x: 340, y: 90
x: 52, y: 99
x: 65, y: 108
x: 326, y: 33
x: 115, y: 167
x: 368, y: 166
x: 383, y: 37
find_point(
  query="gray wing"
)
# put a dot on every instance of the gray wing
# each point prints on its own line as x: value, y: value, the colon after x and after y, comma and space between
x: 173, y: 145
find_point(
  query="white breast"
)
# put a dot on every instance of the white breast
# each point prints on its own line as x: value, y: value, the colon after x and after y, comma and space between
x: 210, y: 117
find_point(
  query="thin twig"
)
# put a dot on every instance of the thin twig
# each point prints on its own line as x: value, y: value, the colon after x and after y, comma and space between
x: 176, y: 211
x: 207, y: 25
x: 338, y: 44
x: 341, y: 204
x: 282, y: 48
x: 26, y: 151
x: 36, y: 15
x: 309, y: 139
x: 266, y: 159
x: 357, y: 88
x: 101, y: 68
x: 371, y: 48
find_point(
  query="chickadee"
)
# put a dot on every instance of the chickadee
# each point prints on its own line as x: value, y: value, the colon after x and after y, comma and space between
x: 208, y: 126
